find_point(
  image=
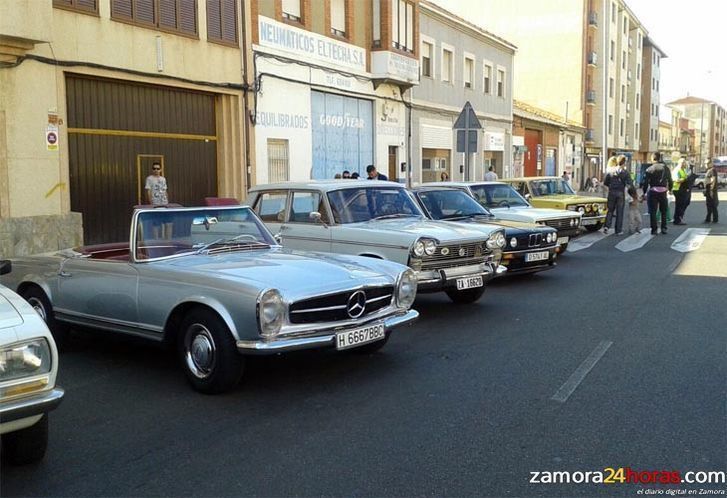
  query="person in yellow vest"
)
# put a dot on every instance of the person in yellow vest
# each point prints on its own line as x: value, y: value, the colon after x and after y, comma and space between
x: 681, y: 191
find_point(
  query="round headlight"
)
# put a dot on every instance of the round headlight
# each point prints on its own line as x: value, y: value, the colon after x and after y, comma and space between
x: 548, y: 238
x: 581, y: 209
x: 577, y: 220
x: 513, y: 242
x: 573, y: 222
x: 407, y: 290
x: 430, y: 247
x: 25, y: 359
x: 419, y: 248
x: 596, y: 207
x: 501, y: 242
x: 271, y: 311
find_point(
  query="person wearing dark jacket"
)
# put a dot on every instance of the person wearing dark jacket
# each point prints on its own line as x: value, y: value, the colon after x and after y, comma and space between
x: 711, y: 185
x: 656, y: 183
x: 617, y: 182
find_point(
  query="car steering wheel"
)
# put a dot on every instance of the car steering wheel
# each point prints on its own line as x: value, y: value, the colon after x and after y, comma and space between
x: 503, y: 203
x: 387, y: 208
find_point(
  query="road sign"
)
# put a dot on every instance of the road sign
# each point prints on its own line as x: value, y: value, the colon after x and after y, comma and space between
x: 471, y: 144
x: 467, y: 119
x: 467, y: 125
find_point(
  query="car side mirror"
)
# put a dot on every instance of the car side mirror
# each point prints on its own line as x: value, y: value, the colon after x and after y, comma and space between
x: 278, y: 239
x: 317, y: 218
x: 6, y: 266
x: 527, y: 197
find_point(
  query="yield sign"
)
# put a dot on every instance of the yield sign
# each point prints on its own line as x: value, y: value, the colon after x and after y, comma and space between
x: 467, y: 119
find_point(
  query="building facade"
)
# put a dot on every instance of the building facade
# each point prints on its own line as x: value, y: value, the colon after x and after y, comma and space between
x: 650, y: 100
x: 707, y: 119
x: 581, y: 60
x: 460, y: 63
x: 92, y: 92
x: 331, y: 85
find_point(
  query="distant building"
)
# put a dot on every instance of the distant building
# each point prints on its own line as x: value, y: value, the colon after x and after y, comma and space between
x: 709, y: 122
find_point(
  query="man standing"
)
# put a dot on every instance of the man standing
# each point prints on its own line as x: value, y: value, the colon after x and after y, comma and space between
x: 491, y: 176
x: 617, y: 182
x: 657, y: 182
x: 566, y: 177
x: 156, y: 187
x: 373, y: 174
x: 711, y: 184
x: 681, y: 191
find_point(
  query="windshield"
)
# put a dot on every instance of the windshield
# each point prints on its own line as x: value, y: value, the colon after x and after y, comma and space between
x: 551, y: 186
x: 450, y: 204
x: 498, y: 196
x: 164, y: 232
x: 355, y: 205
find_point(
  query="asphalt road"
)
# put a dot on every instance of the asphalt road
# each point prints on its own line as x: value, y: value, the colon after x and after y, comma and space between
x: 460, y: 404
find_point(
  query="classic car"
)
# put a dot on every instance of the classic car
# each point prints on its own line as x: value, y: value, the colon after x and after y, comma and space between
x: 505, y: 203
x: 28, y: 371
x: 554, y: 192
x: 380, y: 219
x: 530, y: 247
x: 213, y: 282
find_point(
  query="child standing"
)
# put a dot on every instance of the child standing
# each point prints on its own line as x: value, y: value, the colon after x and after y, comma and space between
x: 634, y: 211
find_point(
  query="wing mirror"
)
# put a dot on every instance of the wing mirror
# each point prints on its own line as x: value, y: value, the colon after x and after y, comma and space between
x: 317, y: 218
x: 6, y: 266
x: 527, y: 197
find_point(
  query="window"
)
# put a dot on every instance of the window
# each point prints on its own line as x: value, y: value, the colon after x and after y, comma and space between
x: 623, y: 60
x: 402, y: 25
x: 303, y: 204
x: 270, y: 206
x: 638, y: 71
x: 610, y: 87
x: 338, y: 17
x: 376, y: 21
x: 613, y: 50
x: 222, y: 21
x: 446, y: 65
x: 623, y: 94
x: 636, y: 131
x: 427, y: 50
x: 292, y: 10
x: 500, y: 83
x: 638, y: 101
x: 639, y: 40
x: 469, y: 69
x: 487, y: 80
x: 172, y: 15
x: 621, y: 128
x: 657, y: 85
x: 626, y: 24
x: 610, y: 124
x: 89, y: 6
x: 278, y: 169
x: 613, y: 12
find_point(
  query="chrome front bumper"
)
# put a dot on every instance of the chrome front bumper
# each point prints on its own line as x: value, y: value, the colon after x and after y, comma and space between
x: 320, y: 341
x: 29, y: 406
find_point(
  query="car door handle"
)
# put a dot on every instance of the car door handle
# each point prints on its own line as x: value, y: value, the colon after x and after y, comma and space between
x: 64, y: 274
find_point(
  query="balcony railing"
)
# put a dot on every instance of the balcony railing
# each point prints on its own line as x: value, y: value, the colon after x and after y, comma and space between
x: 593, y: 18
x: 593, y: 58
x: 591, y: 97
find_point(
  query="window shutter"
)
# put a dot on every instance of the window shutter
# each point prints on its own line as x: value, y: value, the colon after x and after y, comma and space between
x: 229, y: 20
x: 214, y: 20
x: 292, y: 7
x: 188, y: 16
x: 91, y: 5
x: 338, y: 15
x: 121, y: 8
x: 144, y: 11
x: 64, y: 3
x: 168, y: 13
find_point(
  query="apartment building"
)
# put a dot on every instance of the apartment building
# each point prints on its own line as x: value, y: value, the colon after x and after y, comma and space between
x: 92, y: 92
x: 460, y: 62
x: 708, y: 120
x: 331, y: 80
x: 651, y: 58
x: 581, y: 60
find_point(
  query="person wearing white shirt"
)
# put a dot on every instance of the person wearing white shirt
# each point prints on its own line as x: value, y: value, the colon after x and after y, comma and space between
x: 491, y: 176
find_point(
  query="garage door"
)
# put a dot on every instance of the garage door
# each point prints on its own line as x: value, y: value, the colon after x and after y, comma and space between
x: 116, y: 130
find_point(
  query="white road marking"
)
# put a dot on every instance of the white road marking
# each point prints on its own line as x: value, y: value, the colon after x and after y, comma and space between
x: 635, y: 241
x: 574, y: 380
x: 587, y: 240
x: 690, y: 240
x: 672, y: 267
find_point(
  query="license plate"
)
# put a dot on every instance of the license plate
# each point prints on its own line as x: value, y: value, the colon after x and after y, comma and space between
x: 469, y: 282
x: 357, y: 337
x: 588, y: 222
x: 536, y: 256
x: 562, y: 240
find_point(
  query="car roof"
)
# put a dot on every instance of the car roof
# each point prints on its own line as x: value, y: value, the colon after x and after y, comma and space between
x: 528, y: 178
x: 460, y: 184
x: 326, y: 185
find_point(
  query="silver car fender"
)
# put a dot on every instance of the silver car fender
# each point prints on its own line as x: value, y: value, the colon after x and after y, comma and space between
x: 211, y: 303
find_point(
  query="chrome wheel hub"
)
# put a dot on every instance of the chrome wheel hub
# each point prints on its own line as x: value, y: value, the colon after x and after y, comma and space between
x: 38, y: 307
x: 199, y: 351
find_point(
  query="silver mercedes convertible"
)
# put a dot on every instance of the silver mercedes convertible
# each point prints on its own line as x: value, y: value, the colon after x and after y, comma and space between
x: 213, y: 282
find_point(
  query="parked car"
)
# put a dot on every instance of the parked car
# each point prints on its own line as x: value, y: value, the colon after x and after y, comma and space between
x: 555, y: 193
x: 28, y: 371
x: 699, y: 180
x: 507, y: 204
x: 530, y: 247
x: 213, y: 282
x: 382, y: 220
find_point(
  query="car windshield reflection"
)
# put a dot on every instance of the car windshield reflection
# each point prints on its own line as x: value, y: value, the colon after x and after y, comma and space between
x: 163, y: 233
x: 356, y: 205
x: 450, y: 204
x: 553, y: 186
x: 498, y: 196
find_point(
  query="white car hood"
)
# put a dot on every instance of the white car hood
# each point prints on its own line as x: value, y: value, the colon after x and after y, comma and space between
x: 535, y: 213
x: 9, y: 316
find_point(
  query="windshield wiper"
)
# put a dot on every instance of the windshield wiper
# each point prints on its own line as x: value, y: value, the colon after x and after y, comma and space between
x: 229, y: 240
x: 391, y: 216
x: 464, y: 216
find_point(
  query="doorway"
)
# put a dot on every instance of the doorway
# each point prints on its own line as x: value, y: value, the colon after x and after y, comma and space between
x: 393, y: 155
